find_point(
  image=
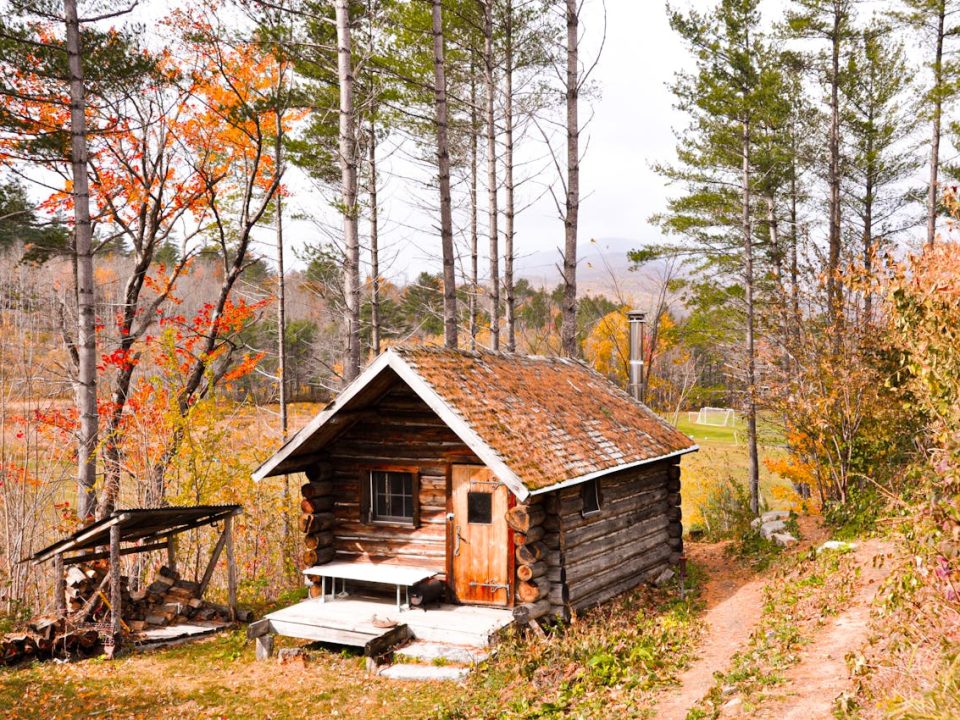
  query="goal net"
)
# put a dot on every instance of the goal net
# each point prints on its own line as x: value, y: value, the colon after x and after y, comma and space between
x: 719, y: 417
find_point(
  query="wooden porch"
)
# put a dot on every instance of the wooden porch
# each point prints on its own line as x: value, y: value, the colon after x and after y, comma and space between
x: 358, y: 621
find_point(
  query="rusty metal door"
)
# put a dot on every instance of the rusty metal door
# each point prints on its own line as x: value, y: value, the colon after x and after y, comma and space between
x: 478, y: 533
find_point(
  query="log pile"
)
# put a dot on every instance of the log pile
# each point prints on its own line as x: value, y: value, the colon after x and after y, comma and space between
x: 533, y: 587
x: 316, y: 520
x: 675, y: 528
x: 168, y: 600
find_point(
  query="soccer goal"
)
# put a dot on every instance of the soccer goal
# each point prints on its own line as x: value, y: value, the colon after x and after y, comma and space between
x: 718, y: 417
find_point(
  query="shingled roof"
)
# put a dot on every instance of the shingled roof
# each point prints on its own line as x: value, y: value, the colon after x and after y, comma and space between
x: 537, y: 422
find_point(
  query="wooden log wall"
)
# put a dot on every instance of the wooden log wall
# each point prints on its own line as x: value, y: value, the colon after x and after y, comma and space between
x: 631, y: 539
x: 316, y: 519
x: 534, y: 591
x: 401, y: 430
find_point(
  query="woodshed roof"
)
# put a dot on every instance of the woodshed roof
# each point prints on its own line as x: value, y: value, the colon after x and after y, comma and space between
x: 537, y: 422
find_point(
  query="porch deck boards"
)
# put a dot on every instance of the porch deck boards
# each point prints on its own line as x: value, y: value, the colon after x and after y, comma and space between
x: 349, y: 621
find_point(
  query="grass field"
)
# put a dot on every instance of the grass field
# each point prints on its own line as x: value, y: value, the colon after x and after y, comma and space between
x: 722, y: 457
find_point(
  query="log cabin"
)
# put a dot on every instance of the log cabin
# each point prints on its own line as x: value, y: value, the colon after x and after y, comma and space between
x: 532, y: 484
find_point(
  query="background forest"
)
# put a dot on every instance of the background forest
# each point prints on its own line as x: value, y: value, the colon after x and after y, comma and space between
x: 155, y: 346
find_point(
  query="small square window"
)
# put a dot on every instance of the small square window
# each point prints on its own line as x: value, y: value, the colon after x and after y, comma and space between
x: 391, y: 496
x: 591, y: 497
x: 479, y: 507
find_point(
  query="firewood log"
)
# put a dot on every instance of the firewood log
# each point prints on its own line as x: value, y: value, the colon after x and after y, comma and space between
x: 532, y: 535
x: 317, y: 557
x: 316, y: 504
x: 526, y: 573
x: 318, y: 540
x: 316, y: 489
x: 523, y: 614
x: 315, y: 590
x: 523, y: 517
x: 529, y: 554
x: 315, y: 523
x: 531, y: 591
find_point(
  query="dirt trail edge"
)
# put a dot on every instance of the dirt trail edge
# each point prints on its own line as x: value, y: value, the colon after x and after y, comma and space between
x: 729, y: 622
x: 813, y: 685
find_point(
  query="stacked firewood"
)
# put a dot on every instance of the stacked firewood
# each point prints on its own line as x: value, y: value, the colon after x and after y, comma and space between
x: 316, y: 520
x: 533, y: 585
x: 675, y: 528
x: 168, y: 600
x: 47, y: 637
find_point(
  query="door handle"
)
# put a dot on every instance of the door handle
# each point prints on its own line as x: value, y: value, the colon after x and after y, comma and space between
x: 456, y: 541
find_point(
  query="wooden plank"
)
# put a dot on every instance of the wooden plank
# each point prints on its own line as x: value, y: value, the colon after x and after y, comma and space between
x: 231, y: 569
x: 78, y: 559
x: 208, y: 573
x: 59, y: 585
x: 115, y: 598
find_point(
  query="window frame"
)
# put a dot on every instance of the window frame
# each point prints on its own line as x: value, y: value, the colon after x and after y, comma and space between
x: 368, y: 496
x: 597, y: 493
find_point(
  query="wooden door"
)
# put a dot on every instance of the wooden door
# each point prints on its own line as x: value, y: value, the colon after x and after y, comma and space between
x: 479, y: 536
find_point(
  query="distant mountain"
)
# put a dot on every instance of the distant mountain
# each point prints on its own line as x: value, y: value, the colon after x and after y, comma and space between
x: 602, y: 267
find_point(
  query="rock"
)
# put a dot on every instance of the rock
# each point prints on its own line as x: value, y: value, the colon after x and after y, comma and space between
x: 773, y: 515
x: 287, y: 656
x: 756, y: 523
x: 784, y: 539
x: 837, y: 546
x: 769, y: 529
x: 406, y: 671
x: 664, y: 577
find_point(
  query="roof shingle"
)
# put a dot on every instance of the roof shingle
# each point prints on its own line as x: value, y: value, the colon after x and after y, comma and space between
x: 549, y: 419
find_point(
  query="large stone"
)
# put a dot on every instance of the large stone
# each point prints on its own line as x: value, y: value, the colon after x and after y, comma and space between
x: 769, y: 529
x: 784, y: 539
x: 664, y: 577
x: 405, y: 671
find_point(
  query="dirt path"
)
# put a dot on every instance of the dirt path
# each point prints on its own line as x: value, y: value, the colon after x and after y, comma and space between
x: 733, y: 596
x: 813, y: 685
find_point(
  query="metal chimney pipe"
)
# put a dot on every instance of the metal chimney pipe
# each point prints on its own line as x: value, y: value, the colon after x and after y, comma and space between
x: 637, y: 320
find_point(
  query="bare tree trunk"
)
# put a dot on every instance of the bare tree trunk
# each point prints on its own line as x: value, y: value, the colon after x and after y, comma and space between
x: 834, y: 302
x: 443, y: 180
x: 86, y: 384
x: 282, y: 331
x: 474, y: 234
x: 508, y: 181
x: 868, y: 225
x: 794, y: 259
x: 568, y: 329
x: 374, y: 241
x: 754, y: 472
x: 489, y: 90
x: 348, y: 180
x: 932, y: 191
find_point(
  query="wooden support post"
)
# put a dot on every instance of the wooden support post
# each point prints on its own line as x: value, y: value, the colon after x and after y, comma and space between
x: 208, y: 573
x: 231, y: 569
x: 59, y: 585
x: 171, y: 553
x: 115, y: 598
x: 264, y: 647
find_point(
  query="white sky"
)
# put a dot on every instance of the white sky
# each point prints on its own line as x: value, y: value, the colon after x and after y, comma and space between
x: 630, y: 129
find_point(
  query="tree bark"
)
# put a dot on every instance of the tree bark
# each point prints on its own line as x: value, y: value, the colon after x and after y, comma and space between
x: 443, y: 180
x: 474, y: 234
x: 374, y: 242
x: 932, y: 192
x: 86, y: 384
x: 492, y: 212
x: 568, y: 329
x: 834, y: 301
x: 508, y: 211
x: 348, y: 183
x: 754, y: 470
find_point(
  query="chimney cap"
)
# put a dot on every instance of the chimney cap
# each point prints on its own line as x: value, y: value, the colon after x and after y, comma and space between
x: 636, y: 316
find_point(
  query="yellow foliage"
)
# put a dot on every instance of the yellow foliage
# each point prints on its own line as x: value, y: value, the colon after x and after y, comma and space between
x: 607, y: 348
